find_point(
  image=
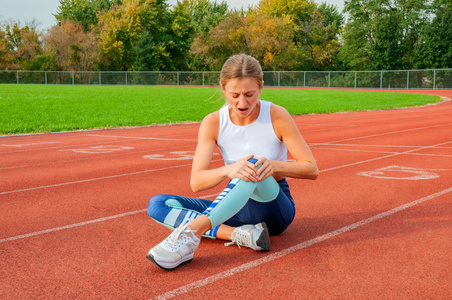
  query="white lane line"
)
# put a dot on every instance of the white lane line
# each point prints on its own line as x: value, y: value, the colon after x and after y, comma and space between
x: 143, y: 138
x: 370, y: 145
x: 383, y: 152
x: 27, y: 144
x: 95, y: 179
x: 392, y: 132
x: 18, y: 237
x: 27, y: 235
x: 147, y: 171
x: 154, y: 170
x: 255, y: 263
x: 383, y: 157
x: 103, y: 156
x: 92, y: 179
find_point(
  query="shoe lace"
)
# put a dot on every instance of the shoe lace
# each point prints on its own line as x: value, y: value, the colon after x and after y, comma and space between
x: 178, y: 237
x: 241, y: 238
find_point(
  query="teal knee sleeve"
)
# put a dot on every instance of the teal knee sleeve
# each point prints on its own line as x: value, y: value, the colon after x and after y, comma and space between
x: 173, y: 203
x: 230, y: 201
x: 266, y: 190
x: 236, y: 195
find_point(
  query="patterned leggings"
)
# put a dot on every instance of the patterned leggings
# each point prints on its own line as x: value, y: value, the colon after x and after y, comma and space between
x: 239, y: 204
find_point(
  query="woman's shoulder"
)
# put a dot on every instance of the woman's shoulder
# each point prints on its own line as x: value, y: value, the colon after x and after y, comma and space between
x: 210, y: 126
x: 278, y: 112
x: 281, y: 120
x: 212, y: 118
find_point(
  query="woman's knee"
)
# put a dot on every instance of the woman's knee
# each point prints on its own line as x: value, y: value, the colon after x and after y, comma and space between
x: 156, y: 204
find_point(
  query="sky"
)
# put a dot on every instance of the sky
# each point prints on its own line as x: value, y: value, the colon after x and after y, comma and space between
x: 41, y: 11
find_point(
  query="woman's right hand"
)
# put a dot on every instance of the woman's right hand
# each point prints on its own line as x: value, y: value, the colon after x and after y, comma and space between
x: 243, y: 169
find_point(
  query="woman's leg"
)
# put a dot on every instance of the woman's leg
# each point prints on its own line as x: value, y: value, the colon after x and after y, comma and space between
x: 235, y: 196
x: 178, y: 247
x: 171, y: 211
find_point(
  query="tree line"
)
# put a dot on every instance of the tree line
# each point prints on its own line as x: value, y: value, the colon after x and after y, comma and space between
x: 199, y: 35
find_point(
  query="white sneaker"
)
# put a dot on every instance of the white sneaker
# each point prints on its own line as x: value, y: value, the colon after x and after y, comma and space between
x: 253, y: 236
x: 176, y: 249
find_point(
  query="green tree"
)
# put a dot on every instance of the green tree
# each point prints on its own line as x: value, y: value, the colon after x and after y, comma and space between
x: 268, y: 39
x: 82, y: 11
x: 210, y: 50
x: 435, y: 49
x: 120, y: 29
x: 165, y: 47
x: 382, y: 34
x: 204, y: 14
x: 332, y: 17
x: 315, y: 30
x: 191, y: 18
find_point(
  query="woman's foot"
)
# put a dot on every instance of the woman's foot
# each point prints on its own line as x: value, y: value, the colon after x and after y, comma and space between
x: 177, y: 249
x: 253, y: 236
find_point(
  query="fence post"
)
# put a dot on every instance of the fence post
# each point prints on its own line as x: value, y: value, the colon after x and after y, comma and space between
x: 355, y: 79
x: 72, y: 77
x: 279, y: 78
x: 100, y: 78
x: 177, y: 78
x: 46, y: 76
x: 434, y: 79
x: 407, y: 79
x: 17, y: 77
x: 381, y: 80
x: 304, y: 79
x: 126, y: 77
x: 203, y: 78
x: 329, y: 79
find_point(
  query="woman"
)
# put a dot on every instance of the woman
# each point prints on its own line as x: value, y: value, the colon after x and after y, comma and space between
x: 253, y: 137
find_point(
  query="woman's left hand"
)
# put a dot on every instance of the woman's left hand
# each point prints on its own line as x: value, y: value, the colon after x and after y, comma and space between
x: 266, y: 168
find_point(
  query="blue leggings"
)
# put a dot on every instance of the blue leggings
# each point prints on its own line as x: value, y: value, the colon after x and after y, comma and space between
x: 277, y: 212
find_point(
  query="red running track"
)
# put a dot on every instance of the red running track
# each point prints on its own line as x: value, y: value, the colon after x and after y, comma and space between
x: 375, y: 225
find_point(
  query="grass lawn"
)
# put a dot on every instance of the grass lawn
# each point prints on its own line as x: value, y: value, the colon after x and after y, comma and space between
x: 52, y: 108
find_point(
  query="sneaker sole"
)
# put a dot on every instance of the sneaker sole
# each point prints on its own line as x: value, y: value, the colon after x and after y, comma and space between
x: 264, y: 239
x: 151, y: 258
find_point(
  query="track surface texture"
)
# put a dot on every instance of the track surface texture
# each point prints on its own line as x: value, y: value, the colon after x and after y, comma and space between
x: 376, y: 224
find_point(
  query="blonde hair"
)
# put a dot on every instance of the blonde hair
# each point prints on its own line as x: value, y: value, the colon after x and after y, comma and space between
x: 241, y: 66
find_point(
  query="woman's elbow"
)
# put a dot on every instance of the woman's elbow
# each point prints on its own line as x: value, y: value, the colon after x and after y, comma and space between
x: 195, y: 187
x: 314, y: 172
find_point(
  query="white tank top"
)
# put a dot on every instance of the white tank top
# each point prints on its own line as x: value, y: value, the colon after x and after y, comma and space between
x: 259, y: 138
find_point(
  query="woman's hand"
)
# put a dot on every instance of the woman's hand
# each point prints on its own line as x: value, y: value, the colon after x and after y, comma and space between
x: 247, y: 171
x: 243, y: 169
x: 266, y: 168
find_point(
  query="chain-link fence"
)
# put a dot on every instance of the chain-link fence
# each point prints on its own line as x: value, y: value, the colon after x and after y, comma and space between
x: 407, y: 79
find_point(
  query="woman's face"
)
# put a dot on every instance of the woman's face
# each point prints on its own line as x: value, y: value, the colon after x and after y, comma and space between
x: 242, y: 95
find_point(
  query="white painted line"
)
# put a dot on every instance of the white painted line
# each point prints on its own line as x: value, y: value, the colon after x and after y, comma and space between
x: 369, y: 145
x: 18, y: 237
x: 92, y: 179
x: 392, y: 132
x: 383, y: 157
x: 109, y: 155
x: 255, y: 263
x: 143, y: 138
x: 23, y: 236
x: 384, y: 152
x: 154, y: 170
x: 95, y: 179
x: 29, y: 144
x: 100, y: 149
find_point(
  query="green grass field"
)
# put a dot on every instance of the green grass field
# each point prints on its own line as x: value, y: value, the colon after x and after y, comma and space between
x: 53, y: 108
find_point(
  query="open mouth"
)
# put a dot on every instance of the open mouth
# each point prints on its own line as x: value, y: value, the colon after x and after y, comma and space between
x: 242, y: 109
